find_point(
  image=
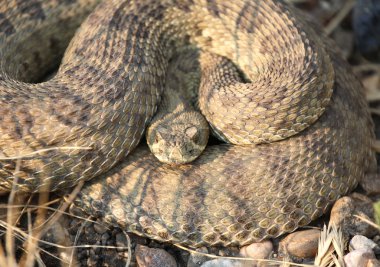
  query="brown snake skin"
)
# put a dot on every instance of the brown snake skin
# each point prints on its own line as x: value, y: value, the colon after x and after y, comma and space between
x: 109, y: 84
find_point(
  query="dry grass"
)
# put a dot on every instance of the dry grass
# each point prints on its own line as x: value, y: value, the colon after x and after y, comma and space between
x: 19, y: 204
x: 36, y: 229
x: 32, y: 237
x: 338, y: 18
x: 368, y: 221
x: 23, y: 156
x: 330, y: 248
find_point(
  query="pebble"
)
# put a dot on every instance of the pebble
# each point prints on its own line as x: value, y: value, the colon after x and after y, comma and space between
x: 92, y: 259
x: 121, y: 242
x: 362, y: 242
x: 376, y: 239
x: 259, y: 250
x: 153, y: 257
x: 224, y: 263
x: 371, y: 184
x: 358, y: 258
x: 225, y: 251
x: 58, y: 234
x: 301, y: 244
x: 90, y: 234
x: 89, y: 231
x: 99, y: 228
x: 342, y: 215
x: 373, y: 263
x: 105, y: 237
x: 196, y: 259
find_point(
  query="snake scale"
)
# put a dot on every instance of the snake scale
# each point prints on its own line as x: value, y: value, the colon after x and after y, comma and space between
x: 301, y: 94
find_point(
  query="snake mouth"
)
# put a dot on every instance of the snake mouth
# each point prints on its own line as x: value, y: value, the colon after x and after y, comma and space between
x: 176, y: 156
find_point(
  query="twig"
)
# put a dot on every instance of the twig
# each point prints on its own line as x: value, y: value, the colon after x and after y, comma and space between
x: 9, y: 242
x: 32, y: 244
x: 368, y: 221
x: 373, y: 97
x: 24, y: 236
x: 46, y: 150
x: 376, y: 146
x: 367, y: 67
x: 64, y: 206
x: 35, y: 207
x: 129, y: 249
x: 333, y: 24
x: 28, y: 259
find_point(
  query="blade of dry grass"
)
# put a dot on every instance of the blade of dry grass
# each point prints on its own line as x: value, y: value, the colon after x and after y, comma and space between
x: 373, y: 97
x: 64, y: 206
x: 24, y: 236
x: 376, y: 146
x: 286, y: 261
x: 334, y: 23
x: 27, y: 260
x: 23, y: 156
x: 375, y: 111
x: 368, y: 221
x: 35, y: 207
x: 3, y: 259
x: 67, y: 255
x: 330, y: 248
x: 366, y: 67
x: 77, y: 235
x: 129, y: 247
x: 40, y: 227
x: 9, y: 242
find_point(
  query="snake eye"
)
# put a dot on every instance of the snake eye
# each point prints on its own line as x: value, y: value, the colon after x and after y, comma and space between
x: 192, y: 133
x: 160, y: 134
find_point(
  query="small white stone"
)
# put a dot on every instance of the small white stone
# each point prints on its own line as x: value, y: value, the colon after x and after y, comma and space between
x: 100, y: 228
x: 195, y: 259
x: 260, y: 250
x: 223, y: 263
x: 358, y: 258
x: 373, y: 263
x: 153, y: 257
x: 362, y: 242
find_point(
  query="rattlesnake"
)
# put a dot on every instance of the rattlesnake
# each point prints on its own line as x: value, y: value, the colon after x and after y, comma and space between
x: 109, y: 84
x: 178, y: 133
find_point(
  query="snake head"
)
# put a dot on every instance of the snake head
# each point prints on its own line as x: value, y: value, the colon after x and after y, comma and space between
x: 178, y: 143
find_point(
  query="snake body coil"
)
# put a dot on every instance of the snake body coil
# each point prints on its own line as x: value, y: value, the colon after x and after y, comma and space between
x: 291, y: 87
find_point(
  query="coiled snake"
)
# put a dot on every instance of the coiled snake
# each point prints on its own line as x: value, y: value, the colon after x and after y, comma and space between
x: 293, y: 86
